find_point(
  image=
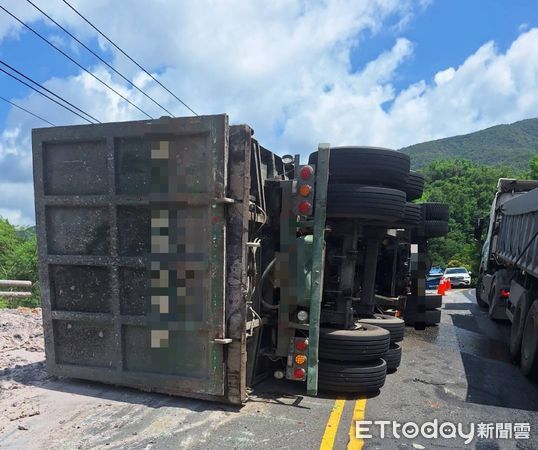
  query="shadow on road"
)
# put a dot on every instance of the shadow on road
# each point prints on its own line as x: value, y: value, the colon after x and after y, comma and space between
x: 292, y: 393
x: 492, y: 378
x: 283, y: 392
x: 35, y: 374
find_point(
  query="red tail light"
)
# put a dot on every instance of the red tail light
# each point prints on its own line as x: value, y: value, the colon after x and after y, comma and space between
x: 299, y: 373
x: 504, y: 293
x: 301, y: 345
x: 305, y: 208
x: 306, y: 172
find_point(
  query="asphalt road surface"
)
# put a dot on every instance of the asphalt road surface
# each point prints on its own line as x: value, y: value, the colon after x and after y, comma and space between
x: 457, y: 372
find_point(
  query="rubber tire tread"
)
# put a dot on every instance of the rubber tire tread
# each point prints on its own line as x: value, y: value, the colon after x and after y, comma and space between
x: 365, y: 202
x: 415, y: 186
x: 394, y: 325
x: 529, y: 360
x: 393, y: 357
x: 374, y: 166
x: 435, y: 228
x: 352, y: 376
x: 365, y: 343
x: 436, y: 211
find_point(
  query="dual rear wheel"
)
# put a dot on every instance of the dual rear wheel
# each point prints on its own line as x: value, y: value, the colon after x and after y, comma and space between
x: 357, y: 360
x: 369, y: 184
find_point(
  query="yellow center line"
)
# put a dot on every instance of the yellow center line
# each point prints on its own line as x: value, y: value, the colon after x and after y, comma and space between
x: 327, y: 442
x: 355, y: 443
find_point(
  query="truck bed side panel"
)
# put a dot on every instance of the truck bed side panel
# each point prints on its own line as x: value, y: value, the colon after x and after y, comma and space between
x: 96, y: 200
x: 517, y: 243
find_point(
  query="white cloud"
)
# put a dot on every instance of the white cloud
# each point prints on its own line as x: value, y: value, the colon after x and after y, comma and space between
x: 488, y: 88
x: 14, y: 203
x: 444, y: 76
x: 283, y: 67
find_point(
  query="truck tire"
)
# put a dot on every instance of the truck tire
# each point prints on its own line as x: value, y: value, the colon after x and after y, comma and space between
x: 411, y: 218
x: 415, y: 186
x: 395, y: 326
x: 367, y: 165
x: 529, y: 343
x: 365, y: 342
x: 355, y: 377
x: 393, y: 357
x: 365, y: 202
x: 479, y: 292
x: 492, y: 300
x: 436, y: 211
x: 518, y: 324
x: 435, y: 228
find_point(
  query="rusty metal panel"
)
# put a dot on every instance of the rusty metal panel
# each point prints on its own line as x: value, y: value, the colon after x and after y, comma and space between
x: 128, y: 299
x: 239, y: 181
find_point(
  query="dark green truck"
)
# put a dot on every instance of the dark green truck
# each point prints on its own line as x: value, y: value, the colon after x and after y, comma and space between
x: 178, y: 255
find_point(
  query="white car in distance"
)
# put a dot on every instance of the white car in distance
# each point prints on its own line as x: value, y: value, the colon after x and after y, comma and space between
x: 458, y: 276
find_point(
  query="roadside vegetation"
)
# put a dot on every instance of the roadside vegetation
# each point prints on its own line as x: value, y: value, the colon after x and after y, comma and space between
x: 469, y: 189
x: 18, y: 260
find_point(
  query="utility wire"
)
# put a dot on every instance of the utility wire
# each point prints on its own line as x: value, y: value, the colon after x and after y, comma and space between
x: 25, y: 110
x: 129, y: 58
x: 47, y: 90
x: 45, y: 95
x: 74, y: 61
x: 98, y: 57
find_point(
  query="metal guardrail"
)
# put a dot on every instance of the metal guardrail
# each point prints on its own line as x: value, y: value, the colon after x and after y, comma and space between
x: 15, y: 284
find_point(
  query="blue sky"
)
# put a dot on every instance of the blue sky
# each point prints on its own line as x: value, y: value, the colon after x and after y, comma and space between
x: 364, y: 72
x: 444, y: 32
x: 36, y: 59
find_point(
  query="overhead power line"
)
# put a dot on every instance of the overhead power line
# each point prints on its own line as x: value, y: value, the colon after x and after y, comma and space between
x: 129, y: 57
x: 74, y: 61
x: 26, y: 111
x: 48, y: 90
x: 99, y: 57
x: 44, y: 95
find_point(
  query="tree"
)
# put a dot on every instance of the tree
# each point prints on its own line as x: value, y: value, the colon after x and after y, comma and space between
x: 533, y: 168
x: 468, y: 188
x: 18, y: 259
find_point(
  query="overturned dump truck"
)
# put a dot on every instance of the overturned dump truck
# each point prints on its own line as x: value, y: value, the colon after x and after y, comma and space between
x: 180, y: 256
x: 508, y: 279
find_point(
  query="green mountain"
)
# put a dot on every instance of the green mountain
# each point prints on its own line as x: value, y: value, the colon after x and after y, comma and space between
x: 512, y: 145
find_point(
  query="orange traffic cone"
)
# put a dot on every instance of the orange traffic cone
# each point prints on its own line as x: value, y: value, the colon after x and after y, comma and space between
x: 448, y: 285
x: 441, y: 289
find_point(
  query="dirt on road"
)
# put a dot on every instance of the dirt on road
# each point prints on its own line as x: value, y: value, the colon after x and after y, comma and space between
x: 38, y: 411
x: 21, y: 363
